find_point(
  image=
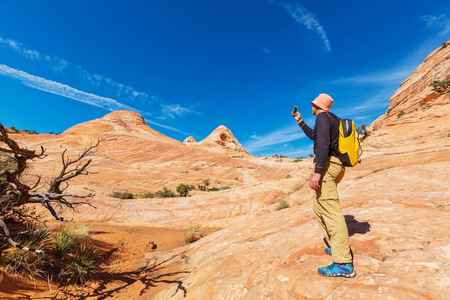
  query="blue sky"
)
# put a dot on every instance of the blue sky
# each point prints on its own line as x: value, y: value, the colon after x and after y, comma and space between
x: 190, y: 66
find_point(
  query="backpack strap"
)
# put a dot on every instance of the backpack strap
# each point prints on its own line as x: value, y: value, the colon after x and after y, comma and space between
x: 331, y: 122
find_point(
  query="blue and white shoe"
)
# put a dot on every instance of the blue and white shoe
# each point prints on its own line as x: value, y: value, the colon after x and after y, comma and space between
x: 337, y: 270
x: 328, y: 250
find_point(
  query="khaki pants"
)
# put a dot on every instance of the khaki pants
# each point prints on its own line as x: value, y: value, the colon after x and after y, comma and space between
x: 328, y: 211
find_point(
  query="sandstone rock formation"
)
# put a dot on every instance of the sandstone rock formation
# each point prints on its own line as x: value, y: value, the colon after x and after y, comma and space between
x: 415, y: 93
x: 397, y: 209
x: 221, y: 140
x: 396, y: 205
x: 189, y: 140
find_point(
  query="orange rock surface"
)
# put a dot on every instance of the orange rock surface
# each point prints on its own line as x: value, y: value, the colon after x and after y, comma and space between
x: 396, y: 205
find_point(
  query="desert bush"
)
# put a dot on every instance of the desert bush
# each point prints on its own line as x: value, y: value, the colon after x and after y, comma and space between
x: 206, y: 183
x: 201, y: 187
x: 297, y: 160
x: 165, y: 193
x: 363, y: 132
x: 311, y: 155
x: 127, y: 195
x: 236, y: 178
x: 401, y: 114
x: 121, y: 195
x: 441, y: 87
x: 193, y: 233
x: 288, y: 176
x: 183, y: 189
x: 27, y: 263
x: 25, y: 254
x: 214, y: 189
x: 69, y: 237
x: 147, y: 195
x: 283, y: 204
x: 82, y: 266
x: 225, y: 188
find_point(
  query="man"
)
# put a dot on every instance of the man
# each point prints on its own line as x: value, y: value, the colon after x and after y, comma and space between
x: 328, y: 172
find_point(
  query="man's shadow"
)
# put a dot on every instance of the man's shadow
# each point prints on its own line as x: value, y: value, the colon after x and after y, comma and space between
x: 356, y: 227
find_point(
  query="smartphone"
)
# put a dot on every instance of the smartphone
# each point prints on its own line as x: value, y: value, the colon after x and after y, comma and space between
x: 295, y: 110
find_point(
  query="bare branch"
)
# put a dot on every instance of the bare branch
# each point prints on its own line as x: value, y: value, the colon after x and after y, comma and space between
x: 10, y: 240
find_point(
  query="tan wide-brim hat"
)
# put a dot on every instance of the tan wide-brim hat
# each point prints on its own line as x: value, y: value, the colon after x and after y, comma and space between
x: 324, y: 101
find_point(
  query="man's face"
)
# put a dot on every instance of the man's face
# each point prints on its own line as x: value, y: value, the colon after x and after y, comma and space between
x: 314, y: 110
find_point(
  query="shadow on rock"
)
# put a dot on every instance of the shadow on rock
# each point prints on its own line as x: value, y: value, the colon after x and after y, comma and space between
x: 356, y: 227
x: 151, y: 275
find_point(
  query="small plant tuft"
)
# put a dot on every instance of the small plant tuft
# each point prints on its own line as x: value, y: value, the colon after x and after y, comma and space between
x: 193, y: 233
x: 82, y: 267
x: 288, y: 176
x: 283, y: 204
x: 401, y: 114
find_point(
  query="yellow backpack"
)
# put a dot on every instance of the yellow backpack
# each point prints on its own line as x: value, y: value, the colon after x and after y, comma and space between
x: 349, y: 147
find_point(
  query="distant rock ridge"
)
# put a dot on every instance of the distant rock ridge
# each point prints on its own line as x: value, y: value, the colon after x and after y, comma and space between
x: 122, y: 122
x: 415, y: 93
x: 220, y: 140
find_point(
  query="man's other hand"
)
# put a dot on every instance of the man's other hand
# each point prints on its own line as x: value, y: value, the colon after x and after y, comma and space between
x: 297, y: 116
x: 314, y: 181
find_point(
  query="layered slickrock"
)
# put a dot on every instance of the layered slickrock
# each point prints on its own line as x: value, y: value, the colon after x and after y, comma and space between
x: 396, y: 205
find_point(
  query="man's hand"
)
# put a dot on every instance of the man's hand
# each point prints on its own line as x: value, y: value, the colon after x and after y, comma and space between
x: 297, y: 116
x: 314, y: 181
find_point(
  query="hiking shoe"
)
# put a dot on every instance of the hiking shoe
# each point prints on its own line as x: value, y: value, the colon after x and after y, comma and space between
x: 328, y: 250
x: 337, y: 270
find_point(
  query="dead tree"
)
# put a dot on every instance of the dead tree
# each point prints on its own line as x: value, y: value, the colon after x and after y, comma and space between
x: 16, y: 193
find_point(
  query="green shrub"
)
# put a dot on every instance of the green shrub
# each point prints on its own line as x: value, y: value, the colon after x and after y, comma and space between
x: 206, y: 183
x: 441, y: 87
x: 288, y: 176
x: 165, y: 193
x: 68, y: 237
x: 214, y: 189
x: 121, y: 195
x: 311, y: 155
x: 127, y: 195
x: 82, y: 266
x: 401, y: 114
x: 193, y: 233
x: 297, y: 160
x: 363, y: 132
x: 236, y: 178
x: 148, y: 195
x: 283, y: 204
x: 201, y: 187
x: 183, y: 189
x: 225, y: 188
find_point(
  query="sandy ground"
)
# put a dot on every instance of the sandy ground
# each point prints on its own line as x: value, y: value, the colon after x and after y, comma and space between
x: 122, y: 249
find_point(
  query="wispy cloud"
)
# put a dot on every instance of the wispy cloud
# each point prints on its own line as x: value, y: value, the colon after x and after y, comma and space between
x: 441, y: 22
x: 116, y: 89
x: 58, y: 64
x: 283, y: 135
x: 66, y: 91
x: 371, y: 106
x: 173, y: 110
x: 377, y: 79
x: 305, y: 17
